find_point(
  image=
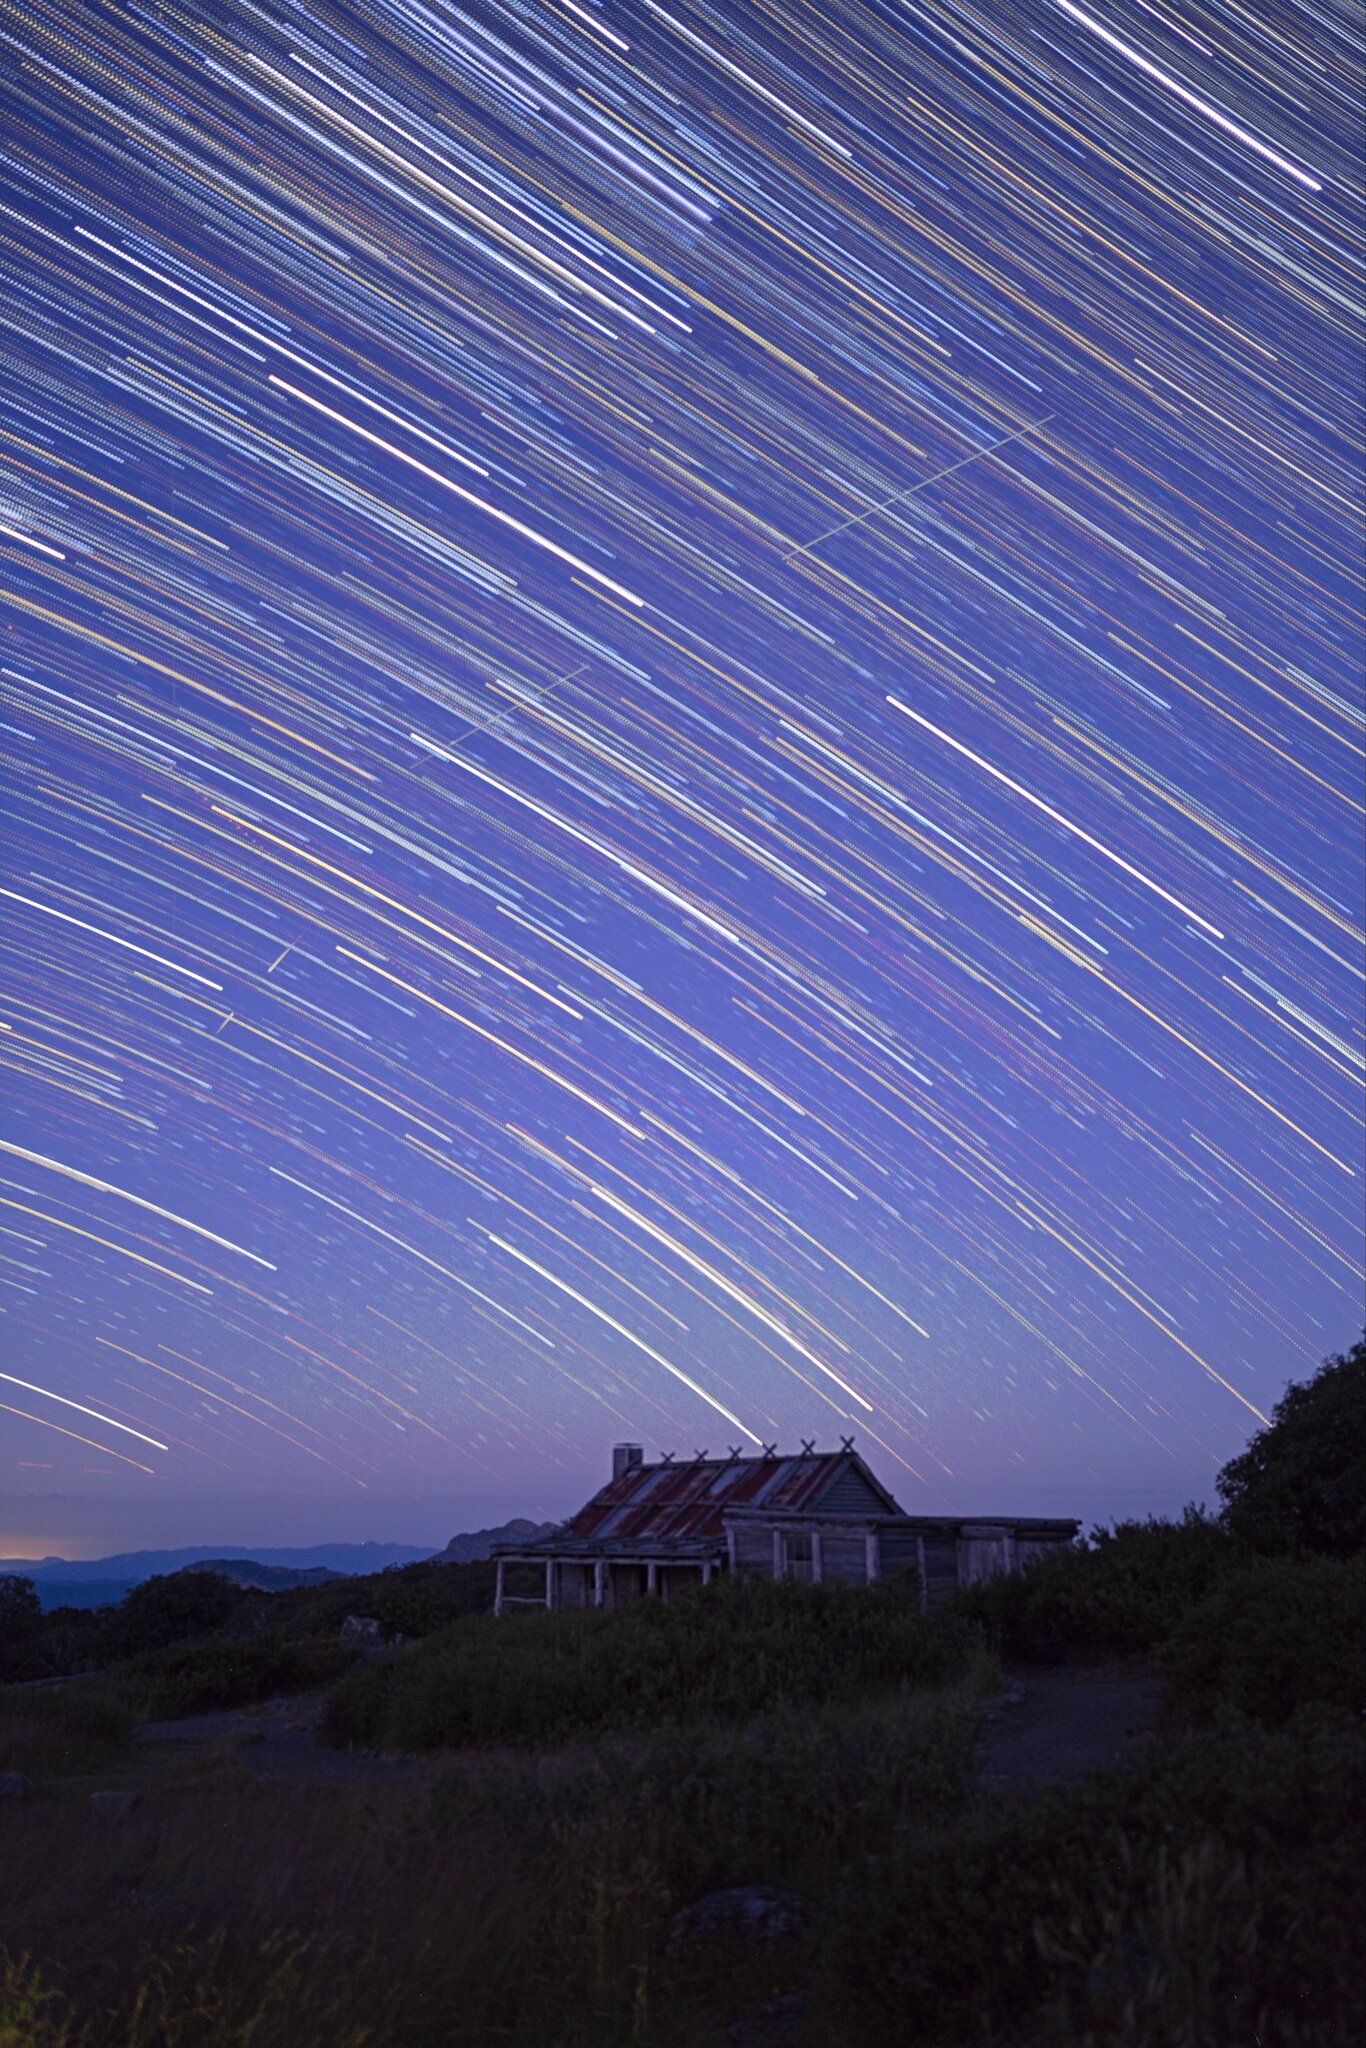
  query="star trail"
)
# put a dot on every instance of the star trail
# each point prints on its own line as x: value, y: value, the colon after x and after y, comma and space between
x: 681, y: 726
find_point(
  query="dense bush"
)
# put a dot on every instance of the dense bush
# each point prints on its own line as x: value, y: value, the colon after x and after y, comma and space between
x: 197, y: 1677
x: 413, y: 1600
x: 733, y: 1648
x: 1274, y: 1637
x: 636, y: 1827
x: 188, y: 1606
x: 1209, y: 1894
x: 498, y: 1906
x: 1207, y: 1897
x: 714, y: 1802
x: 1119, y: 1595
x: 60, y: 1727
x: 1300, y: 1485
x: 219, y: 1672
x: 174, y: 1607
x: 21, y: 1614
x: 69, y: 1640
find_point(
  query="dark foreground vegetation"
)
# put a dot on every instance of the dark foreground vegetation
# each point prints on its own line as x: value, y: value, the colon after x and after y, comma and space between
x: 576, y: 1780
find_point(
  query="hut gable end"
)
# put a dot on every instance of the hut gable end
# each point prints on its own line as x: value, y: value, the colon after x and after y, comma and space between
x: 854, y: 1494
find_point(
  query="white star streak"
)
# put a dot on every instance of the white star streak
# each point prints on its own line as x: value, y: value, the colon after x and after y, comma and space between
x: 613, y: 1324
x: 94, y: 1413
x: 105, y: 1450
x: 106, y: 1187
x: 736, y: 1293
x: 448, y: 484
x: 1183, y: 92
x: 99, y: 933
x: 412, y: 1252
x: 1057, y: 817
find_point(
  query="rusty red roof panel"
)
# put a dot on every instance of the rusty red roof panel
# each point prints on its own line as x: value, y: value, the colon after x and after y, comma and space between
x: 677, y: 1501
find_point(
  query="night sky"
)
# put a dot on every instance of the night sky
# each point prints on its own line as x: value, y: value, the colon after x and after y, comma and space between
x: 681, y: 702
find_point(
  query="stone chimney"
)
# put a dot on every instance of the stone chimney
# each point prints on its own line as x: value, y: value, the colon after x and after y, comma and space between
x: 626, y: 1458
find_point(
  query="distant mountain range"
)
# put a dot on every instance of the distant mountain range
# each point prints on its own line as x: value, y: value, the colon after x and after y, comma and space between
x: 103, y: 1581
x: 266, y: 1578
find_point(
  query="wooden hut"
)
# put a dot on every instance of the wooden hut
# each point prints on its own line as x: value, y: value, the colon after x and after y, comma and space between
x: 819, y: 1515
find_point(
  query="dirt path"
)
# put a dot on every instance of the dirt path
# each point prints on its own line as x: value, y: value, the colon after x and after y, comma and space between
x: 1056, y: 1724
x: 1049, y: 1724
x: 279, y: 1738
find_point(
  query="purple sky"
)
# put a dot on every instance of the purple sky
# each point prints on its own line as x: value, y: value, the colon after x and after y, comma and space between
x: 681, y: 708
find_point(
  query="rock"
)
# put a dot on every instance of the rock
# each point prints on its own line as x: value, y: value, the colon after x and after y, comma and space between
x: 362, y: 1632
x: 13, y: 1785
x: 747, y: 1912
x: 115, y: 1805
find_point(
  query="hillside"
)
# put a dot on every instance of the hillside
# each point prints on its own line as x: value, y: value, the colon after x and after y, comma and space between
x: 268, y: 1578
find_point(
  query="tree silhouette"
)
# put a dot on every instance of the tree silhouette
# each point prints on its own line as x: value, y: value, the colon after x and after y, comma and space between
x: 21, y: 1614
x: 1300, y: 1486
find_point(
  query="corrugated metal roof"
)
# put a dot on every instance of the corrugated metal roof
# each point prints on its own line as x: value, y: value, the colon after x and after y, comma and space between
x: 685, y: 1504
x: 681, y: 1509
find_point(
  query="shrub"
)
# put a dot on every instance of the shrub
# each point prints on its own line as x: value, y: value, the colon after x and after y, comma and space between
x: 641, y: 1824
x: 731, y: 1649
x: 69, y: 1641
x: 60, y: 1727
x: 1301, y: 1483
x: 21, y: 1619
x: 713, y: 1803
x: 220, y: 1672
x: 1118, y: 1596
x: 33, y: 1645
x: 20, y: 1607
x: 413, y: 1601
x: 174, y: 1607
x: 87, y: 1710
x: 1142, y: 1907
x: 1275, y: 1637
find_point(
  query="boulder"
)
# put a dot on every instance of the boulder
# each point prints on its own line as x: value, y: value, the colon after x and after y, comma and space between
x: 362, y: 1632
x: 13, y: 1785
x: 746, y: 1913
x: 115, y: 1805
